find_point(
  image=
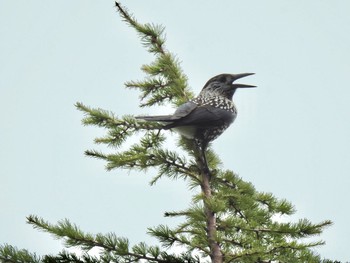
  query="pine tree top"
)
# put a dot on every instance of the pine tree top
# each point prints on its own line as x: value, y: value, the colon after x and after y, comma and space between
x: 247, y: 228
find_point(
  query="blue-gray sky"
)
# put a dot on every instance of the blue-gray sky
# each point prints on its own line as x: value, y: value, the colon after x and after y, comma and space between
x: 291, y: 136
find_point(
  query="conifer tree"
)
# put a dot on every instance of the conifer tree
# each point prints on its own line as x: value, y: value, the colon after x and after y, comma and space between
x: 228, y: 220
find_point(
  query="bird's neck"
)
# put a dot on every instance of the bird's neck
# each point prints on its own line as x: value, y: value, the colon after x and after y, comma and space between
x: 215, y: 100
x: 215, y: 94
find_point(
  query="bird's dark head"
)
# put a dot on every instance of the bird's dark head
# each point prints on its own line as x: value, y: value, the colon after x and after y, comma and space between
x: 223, y: 85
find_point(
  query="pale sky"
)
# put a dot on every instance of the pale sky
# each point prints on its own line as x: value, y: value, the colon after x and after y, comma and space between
x: 291, y: 136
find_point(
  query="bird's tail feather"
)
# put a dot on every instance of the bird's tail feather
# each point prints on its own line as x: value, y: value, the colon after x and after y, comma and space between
x: 165, y: 118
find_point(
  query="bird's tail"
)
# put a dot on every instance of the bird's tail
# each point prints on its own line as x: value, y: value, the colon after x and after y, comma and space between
x: 165, y: 118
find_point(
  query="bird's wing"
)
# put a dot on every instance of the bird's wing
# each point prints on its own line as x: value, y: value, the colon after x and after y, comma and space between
x: 202, y: 116
x: 190, y: 113
x: 184, y: 110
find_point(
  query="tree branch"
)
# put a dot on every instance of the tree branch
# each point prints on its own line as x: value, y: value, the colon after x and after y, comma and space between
x: 149, y: 33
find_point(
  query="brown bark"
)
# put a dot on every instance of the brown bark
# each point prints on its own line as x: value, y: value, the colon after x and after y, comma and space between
x: 215, y: 250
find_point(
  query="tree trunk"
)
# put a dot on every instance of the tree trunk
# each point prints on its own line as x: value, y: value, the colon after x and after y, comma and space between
x: 215, y: 250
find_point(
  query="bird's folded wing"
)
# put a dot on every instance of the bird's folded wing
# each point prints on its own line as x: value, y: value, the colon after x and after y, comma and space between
x: 190, y: 113
x: 204, y: 116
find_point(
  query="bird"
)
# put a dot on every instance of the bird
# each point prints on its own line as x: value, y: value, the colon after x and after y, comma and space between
x: 208, y: 115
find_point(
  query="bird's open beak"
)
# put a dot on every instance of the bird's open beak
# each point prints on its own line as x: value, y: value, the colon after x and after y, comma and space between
x: 242, y: 75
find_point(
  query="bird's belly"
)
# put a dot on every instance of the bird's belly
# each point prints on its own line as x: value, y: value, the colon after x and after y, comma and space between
x: 203, y: 133
x: 187, y: 131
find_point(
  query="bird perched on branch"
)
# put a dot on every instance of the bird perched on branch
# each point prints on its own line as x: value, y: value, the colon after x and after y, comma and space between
x: 207, y: 116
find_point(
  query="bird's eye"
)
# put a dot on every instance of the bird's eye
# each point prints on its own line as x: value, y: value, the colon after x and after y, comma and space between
x: 222, y: 78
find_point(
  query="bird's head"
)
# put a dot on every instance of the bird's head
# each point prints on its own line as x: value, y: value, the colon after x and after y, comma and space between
x: 223, y: 85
